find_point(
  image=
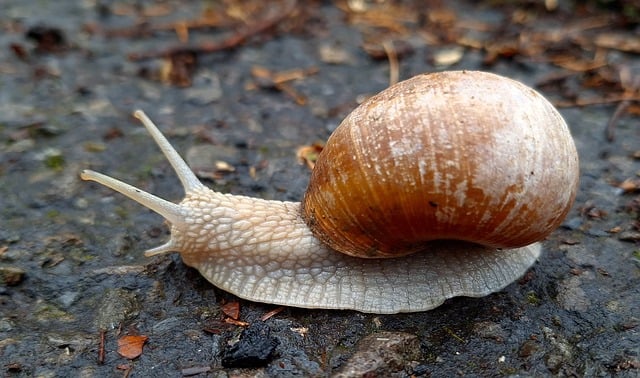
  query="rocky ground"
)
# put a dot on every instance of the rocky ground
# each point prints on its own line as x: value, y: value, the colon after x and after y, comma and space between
x: 247, y: 85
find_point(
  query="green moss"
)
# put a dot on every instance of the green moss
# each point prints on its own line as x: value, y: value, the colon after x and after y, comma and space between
x: 122, y: 212
x: 54, y: 161
x: 94, y: 146
x: 80, y: 255
x: 508, y: 371
x: 48, y: 311
x: 533, y: 298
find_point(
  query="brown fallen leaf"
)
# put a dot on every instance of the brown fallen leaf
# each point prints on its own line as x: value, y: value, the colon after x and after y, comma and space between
x: 618, y: 41
x: 130, y: 346
x: 630, y: 185
x: 265, y: 78
x: 308, y: 154
x: 232, y: 310
x: 614, y: 230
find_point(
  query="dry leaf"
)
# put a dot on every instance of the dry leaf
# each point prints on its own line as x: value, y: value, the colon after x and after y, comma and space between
x: 614, y: 230
x: 630, y: 185
x: 309, y: 154
x: 232, y: 310
x: 618, y: 41
x: 131, y: 346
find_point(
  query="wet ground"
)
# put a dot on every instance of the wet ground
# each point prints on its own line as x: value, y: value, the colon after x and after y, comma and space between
x: 74, y: 280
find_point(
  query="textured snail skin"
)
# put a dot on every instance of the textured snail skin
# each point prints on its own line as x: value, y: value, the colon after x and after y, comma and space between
x: 264, y: 251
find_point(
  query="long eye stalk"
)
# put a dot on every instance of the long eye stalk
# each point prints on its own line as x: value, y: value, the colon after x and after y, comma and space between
x: 169, y: 210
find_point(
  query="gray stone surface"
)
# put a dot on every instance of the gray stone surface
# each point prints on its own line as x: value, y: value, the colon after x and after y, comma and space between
x: 74, y: 250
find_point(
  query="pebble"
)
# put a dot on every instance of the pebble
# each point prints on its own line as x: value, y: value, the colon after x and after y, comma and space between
x: 117, y: 305
x: 254, y: 349
x: 11, y: 275
x: 489, y: 330
x: 630, y: 236
x: 384, y: 354
x: 571, y: 296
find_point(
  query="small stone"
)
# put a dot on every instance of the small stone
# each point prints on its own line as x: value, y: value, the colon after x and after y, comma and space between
x: 448, y: 56
x: 554, y: 362
x: 528, y: 348
x: 573, y: 223
x: 571, y: 296
x: 334, y: 54
x: 117, y: 305
x: 11, y: 275
x: 67, y: 298
x: 630, y: 236
x: 489, y: 330
x: 560, y: 350
x: 254, y: 349
x: 206, y: 89
x: 5, y: 325
x: 382, y: 354
x: 209, y: 161
x: 166, y: 325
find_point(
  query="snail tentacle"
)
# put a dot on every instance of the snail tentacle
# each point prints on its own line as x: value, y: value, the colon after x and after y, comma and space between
x: 169, y: 210
x: 188, y: 179
x: 167, y: 247
x: 173, y: 213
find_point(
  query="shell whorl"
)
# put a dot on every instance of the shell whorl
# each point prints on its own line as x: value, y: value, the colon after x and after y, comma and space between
x: 461, y: 155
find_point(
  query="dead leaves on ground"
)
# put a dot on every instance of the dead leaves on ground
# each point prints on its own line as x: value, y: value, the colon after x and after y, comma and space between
x: 236, y: 22
x: 577, y: 39
x: 265, y: 78
x: 580, y: 41
x: 131, y: 346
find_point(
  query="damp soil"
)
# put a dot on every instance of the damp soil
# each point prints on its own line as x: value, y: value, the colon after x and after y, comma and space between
x: 73, y: 276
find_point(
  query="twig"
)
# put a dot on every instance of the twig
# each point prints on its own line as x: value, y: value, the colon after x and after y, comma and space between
x: 609, y: 131
x: 394, y: 71
x: 144, y: 28
x: 231, y: 42
x: 630, y: 84
x: 101, y: 353
x: 265, y: 78
x: 595, y: 101
x: 271, y: 313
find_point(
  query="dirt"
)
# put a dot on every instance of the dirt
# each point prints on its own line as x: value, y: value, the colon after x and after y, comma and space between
x: 75, y: 279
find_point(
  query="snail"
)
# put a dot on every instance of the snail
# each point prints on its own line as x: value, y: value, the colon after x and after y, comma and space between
x: 442, y: 185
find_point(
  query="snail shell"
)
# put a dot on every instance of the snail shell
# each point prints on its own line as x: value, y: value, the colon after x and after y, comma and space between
x: 468, y: 156
x: 454, y: 155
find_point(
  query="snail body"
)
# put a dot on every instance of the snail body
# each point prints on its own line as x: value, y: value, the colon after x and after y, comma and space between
x: 452, y: 177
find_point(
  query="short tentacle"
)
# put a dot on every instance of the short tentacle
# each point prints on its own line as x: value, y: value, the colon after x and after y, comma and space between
x: 169, y: 246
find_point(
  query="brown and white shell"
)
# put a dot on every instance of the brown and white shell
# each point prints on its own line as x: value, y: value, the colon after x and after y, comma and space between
x: 462, y: 155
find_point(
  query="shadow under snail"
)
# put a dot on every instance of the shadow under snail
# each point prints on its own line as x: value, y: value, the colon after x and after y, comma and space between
x: 439, y: 186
